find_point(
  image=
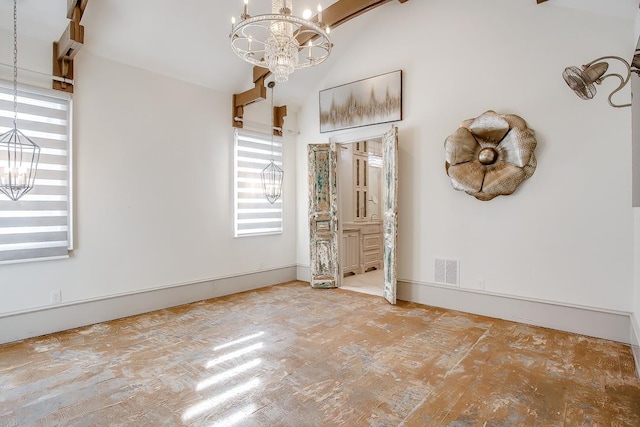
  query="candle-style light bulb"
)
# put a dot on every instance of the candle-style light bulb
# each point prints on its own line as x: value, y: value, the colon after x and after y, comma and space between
x: 22, y: 176
x: 319, y: 13
x: 233, y: 22
x: 306, y: 14
x: 245, y: 10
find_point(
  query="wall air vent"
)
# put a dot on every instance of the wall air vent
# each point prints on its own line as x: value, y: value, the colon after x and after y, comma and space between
x: 447, y: 272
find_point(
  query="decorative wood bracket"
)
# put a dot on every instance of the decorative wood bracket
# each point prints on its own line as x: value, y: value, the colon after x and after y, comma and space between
x: 333, y: 16
x: 279, y: 113
x: 66, y: 48
x: 258, y: 93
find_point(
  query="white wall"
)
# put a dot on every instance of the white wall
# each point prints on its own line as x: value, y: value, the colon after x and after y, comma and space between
x: 635, y: 82
x: 566, y: 235
x: 636, y: 300
x: 153, y: 173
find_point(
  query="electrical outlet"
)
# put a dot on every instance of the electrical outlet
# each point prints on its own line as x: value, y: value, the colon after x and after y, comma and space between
x: 56, y: 296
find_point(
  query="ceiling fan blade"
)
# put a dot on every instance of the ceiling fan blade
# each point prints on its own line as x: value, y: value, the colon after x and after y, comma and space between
x: 540, y: 1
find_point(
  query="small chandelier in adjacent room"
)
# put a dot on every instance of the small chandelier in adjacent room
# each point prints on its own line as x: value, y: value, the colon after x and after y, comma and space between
x: 280, y: 41
x: 272, y: 175
x: 583, y: 80
x: 19, y: 155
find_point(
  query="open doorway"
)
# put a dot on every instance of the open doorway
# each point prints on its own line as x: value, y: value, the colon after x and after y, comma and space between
x: 325, y: 228
x: 360, y: 213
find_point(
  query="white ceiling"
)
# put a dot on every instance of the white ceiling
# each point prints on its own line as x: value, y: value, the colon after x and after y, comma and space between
x: 188, y: 40
x: 619, y: 8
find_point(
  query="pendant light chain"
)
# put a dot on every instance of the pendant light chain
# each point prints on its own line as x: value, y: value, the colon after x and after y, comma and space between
x: 273, y: 122
x: 272, y: 174
x: 15, y: 75
x: 15, y: 64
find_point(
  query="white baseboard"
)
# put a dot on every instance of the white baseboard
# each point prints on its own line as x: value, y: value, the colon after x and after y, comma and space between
x: 635, y: 342
x: 616, y: 326
x: 303, y: 273
x: 607, y: 324
x: 46, y: 320
x: 594, y: 322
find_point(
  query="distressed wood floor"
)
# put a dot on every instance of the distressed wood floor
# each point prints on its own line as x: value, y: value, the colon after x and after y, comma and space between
x: 292, y: 356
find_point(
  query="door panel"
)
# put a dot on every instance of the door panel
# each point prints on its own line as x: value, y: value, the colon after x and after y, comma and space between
x: 323, y: 218
x: 390, y: 212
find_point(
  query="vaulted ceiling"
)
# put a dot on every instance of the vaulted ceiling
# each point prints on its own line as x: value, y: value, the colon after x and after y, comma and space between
x: 189, y: 40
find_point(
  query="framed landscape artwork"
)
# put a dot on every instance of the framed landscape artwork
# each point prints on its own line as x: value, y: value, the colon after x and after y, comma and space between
x: 365, y: 102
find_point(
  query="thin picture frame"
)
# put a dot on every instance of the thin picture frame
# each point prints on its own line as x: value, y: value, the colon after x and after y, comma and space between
x: 365, y: 102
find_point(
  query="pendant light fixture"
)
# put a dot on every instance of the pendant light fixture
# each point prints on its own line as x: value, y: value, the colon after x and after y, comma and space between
x: 19, y: 155
x: 279, y: 40
x: 272, y: 175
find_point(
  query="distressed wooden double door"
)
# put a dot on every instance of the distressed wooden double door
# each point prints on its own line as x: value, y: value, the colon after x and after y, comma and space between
x: 324, y: 219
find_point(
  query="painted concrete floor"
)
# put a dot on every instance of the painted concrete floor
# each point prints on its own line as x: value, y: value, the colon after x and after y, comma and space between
x: 288, y: 355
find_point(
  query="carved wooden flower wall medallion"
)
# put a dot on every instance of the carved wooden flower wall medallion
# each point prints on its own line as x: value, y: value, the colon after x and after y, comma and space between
x: 490, y: 155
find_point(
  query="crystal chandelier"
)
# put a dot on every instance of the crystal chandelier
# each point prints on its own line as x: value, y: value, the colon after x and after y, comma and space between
x: 19, y: 155
x: 280, y: 41
x: 272, y: 175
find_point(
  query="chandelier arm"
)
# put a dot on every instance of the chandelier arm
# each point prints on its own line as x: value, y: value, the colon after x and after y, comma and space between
x: 276, y: 41
x: 278, y: 18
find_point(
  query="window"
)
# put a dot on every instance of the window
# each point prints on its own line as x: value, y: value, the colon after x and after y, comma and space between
x: 39, y: 225
x: 253, y: 213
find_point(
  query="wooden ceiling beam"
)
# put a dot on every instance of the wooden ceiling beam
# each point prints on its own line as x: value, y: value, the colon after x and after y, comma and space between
x: 66, y: 48
x: 345, y: 10
x: 74, y: 7
x: 241, y: 100
x: 333, y: 16
x: 71, y: 41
